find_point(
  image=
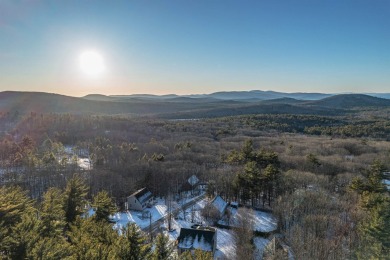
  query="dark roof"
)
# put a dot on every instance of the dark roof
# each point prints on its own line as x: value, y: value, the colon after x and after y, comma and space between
x: 201, y: 238
x: 142, y: 194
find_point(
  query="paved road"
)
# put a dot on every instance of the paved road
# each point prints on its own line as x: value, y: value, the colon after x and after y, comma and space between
x: 157, y: 223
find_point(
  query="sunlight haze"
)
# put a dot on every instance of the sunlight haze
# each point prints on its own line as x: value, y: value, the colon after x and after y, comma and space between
x: 194, y: 47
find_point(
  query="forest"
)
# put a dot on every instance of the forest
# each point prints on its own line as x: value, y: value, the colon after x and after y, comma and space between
x: 322, y: 176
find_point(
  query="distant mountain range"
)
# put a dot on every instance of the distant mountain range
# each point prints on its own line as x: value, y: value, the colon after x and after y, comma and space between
x: 192, y: 106
x: 254, y: 95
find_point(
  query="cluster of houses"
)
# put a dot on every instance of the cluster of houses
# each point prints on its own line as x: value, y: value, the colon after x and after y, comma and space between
x: 143, y: 198
x: 196, y: 237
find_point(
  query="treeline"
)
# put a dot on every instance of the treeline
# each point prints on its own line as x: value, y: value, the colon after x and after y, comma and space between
x: 257, y: 179
x: 128, y: 153
x: 59, y: 227
x: 374, y: 129
x: 70, y: 129
x: 319, y: 222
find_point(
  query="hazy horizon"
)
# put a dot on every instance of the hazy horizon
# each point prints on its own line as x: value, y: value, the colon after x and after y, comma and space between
x: 77, y: 48
x: 198, y: 94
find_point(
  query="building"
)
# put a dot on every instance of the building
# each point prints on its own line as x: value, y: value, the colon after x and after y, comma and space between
x: 220, y: 205
x: 139, y: 200
x: 189, y: 185
x: 203, y: 238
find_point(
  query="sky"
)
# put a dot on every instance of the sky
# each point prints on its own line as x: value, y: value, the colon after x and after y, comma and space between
x: 195, y: 46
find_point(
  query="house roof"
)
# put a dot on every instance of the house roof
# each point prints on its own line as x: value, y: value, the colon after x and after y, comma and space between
x: 142, y: 195
x: 193, y: 180
x: 189, y: 184
x: 201, y: 238
x: 219, y: 203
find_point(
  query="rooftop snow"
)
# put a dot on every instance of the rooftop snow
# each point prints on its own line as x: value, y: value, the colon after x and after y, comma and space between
x: 193, y: 180
x: 219, y: 203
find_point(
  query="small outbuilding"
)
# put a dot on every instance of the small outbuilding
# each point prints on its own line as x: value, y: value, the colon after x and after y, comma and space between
x: 139, y: 200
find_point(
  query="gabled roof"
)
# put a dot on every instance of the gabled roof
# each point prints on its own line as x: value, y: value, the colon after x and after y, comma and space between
x: 193, y: 180
x: 142, y: 195
x: 219, y: 203
x: 201, y: 238
x: 189, y: 184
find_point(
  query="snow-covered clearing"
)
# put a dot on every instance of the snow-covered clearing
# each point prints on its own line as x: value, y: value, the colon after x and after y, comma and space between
x: 226, y: 248
x: 82, y: 158
x: 263, y: 221
x: 158, y: 211
x: 121, y: 219
x: 260, y: 244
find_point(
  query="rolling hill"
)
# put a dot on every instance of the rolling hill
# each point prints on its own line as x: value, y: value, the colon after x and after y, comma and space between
x: 348, y: 101
x: 172, y: 106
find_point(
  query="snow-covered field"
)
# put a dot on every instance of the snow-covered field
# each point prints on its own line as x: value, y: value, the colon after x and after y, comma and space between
x: 263, y: 221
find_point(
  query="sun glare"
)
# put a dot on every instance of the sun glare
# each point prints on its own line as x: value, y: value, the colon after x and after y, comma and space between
x: 91, y: 63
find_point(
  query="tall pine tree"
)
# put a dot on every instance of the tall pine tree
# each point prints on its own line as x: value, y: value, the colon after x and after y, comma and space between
x: 74, y: 198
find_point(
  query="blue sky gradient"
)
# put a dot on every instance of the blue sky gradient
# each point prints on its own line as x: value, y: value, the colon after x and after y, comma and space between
x: 188, y: 47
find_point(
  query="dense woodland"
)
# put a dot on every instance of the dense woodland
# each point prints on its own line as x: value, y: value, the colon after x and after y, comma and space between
x: 320, y: 175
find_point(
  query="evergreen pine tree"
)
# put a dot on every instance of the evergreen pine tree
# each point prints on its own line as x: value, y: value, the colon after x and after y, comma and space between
x: 16, y: 216
x: 93, y: 239
x: 103, y: 205
x: 133, y: 244
x: 163, y: 248
x: 52, y: 214
x: 74, y: 196
x: 51, y: 248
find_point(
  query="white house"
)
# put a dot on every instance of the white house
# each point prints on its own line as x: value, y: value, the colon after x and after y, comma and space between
x: 139, y: 200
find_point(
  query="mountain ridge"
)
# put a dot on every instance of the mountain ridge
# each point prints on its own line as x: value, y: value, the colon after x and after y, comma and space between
x: 175, y: 106
x: 243, y: 95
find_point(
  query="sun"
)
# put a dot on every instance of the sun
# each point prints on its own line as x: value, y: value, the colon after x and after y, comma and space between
x: 91, y: 63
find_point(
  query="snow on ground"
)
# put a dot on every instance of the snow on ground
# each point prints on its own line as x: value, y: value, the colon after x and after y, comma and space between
x: 260, y: 244
x: 122, y: 218
x: 225, y: 241
x: 226, y: 248
x: 84, y: 163
x: 225, y: 237
x: 158, y: 211
x: 263, y: 221
x: 386, y: 183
